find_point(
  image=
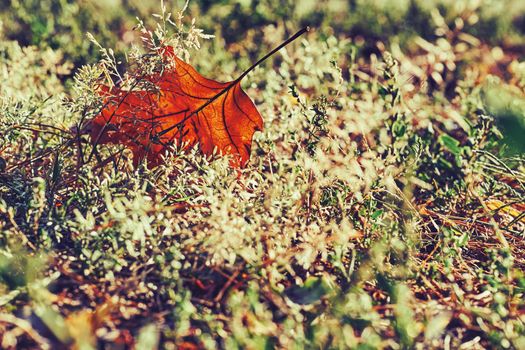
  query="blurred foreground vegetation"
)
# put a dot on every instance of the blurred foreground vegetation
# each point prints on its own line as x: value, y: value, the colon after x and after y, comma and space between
x: 383, y: 206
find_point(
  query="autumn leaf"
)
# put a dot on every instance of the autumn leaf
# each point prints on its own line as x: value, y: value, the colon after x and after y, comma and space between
x: 187, y: 109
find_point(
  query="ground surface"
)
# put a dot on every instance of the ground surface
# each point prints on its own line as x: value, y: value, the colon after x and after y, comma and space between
x: 382, y: 207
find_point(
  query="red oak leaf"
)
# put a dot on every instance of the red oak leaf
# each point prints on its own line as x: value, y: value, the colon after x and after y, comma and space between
x: 186, y: 109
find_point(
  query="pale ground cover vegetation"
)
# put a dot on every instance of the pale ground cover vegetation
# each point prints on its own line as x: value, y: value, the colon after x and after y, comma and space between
x: 382, y: 207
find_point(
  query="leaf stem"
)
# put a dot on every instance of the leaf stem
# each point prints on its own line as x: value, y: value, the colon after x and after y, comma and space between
x: 236, y: 81
x: 271, y: 53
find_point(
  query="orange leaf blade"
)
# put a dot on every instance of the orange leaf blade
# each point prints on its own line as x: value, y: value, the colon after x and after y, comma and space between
x: 188, y: 109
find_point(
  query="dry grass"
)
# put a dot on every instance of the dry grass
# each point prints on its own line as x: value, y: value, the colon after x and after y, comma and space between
x: 382, y: 206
